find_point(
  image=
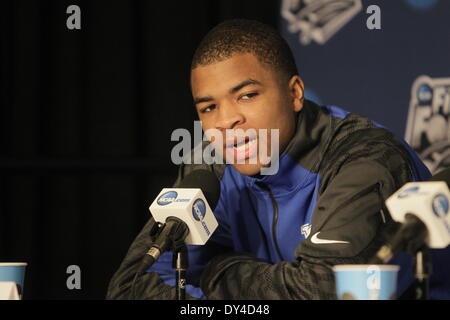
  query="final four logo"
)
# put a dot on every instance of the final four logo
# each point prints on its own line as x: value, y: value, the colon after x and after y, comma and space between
x: 318, y: 20
x: 428, y: 126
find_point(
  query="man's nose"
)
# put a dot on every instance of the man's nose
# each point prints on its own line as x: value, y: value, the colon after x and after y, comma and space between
x: 229, y: 117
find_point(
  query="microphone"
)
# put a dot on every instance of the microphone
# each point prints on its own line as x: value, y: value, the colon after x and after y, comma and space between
x: 184, y: 214
x: 422, y: 208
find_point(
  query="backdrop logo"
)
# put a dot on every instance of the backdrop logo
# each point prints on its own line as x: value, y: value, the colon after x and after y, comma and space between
x: 428, y: 126
x: 318, y: 20
x: 167, y: 198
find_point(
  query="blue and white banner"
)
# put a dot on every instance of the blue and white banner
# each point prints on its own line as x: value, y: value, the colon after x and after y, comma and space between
x: 386, y: 60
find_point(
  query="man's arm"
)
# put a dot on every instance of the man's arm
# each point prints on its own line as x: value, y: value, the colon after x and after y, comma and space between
x: 348, y: 210
x: 148, y: 285
x: 159, y: 281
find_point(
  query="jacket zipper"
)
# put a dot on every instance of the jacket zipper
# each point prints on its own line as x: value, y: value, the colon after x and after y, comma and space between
x: 275, y: 218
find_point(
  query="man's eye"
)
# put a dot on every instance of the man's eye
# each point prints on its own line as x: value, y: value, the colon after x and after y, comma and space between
x: 208, y: 108
x: 248, y: 96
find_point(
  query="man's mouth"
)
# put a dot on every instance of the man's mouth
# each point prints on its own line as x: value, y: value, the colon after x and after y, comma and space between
x: 242, y: 149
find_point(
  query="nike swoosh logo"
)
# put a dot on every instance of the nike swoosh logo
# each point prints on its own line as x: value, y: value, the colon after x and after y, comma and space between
x: 315, y: 239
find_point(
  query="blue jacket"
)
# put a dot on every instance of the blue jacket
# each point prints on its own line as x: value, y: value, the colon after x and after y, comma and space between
x: 332, y: 181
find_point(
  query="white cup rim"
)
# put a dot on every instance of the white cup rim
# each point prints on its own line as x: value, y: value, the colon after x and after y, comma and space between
x: 13, y: 264
x: 364, y: 267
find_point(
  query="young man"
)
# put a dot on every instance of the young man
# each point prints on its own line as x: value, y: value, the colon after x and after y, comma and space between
x: 280, y: 234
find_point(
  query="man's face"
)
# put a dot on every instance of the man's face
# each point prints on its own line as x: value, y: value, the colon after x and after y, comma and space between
x: 242, y: 93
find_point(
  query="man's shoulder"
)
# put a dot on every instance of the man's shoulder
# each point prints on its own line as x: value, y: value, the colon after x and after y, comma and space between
x: 354, y: 129
x: 357, y: 139
x: 356, y: 136
x: 331, y: 134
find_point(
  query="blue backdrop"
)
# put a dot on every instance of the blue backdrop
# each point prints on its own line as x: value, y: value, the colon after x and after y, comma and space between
x: 398, y: 75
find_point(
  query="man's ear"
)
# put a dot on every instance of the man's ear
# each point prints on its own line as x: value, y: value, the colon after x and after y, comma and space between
x: 297, y: 91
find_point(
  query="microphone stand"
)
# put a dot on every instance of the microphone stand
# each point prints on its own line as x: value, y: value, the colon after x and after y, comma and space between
x: 411, y: 239
x: 422, y: 262
x: 180, y: 261
x: 175, y: 236
x: 180, y: 264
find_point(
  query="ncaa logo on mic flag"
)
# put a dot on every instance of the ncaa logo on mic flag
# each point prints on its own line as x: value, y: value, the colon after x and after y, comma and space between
x: 199, y: 212
x: 199, y: 209
x: 405, y: 193
x: 167, y: 198
x: 440, y: 205
x: 440, y: 209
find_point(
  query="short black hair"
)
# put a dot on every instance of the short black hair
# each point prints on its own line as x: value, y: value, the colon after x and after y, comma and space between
x: 246, y: 36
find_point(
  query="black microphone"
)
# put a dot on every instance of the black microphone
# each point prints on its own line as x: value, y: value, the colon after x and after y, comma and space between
x: 409, y: 238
